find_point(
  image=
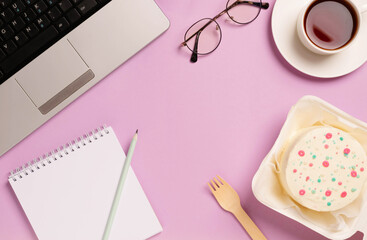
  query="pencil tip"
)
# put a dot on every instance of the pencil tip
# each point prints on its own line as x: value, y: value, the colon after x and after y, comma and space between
x: 137, y: 130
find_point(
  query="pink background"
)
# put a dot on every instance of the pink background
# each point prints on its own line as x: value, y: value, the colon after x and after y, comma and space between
x: 218, y: 116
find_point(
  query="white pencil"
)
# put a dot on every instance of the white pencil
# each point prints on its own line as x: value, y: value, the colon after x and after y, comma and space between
x: 120, y: 185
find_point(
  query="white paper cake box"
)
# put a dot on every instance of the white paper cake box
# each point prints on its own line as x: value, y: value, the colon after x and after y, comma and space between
x: 341, y: 224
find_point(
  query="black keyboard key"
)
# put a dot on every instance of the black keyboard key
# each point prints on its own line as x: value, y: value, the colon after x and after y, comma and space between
x: 62, y: 24
x: 29, y: 15
x: 73, y: 16
x: 29, y: 2
x: 4, y: 3
x: 7, y: 14
x: 54, y: 13
x: 75, y: 1
x: 9, y: 47
x: 40, y: 7
x: 17, y: 24
x: 65, y: 5
x: 103, y: 2
x: 18, y: 6
x: 13, y: 61
x: 2, y: 55
x: 20, y: 38
x: 87, y: 5
x: 43, y: 22
x: 6, y: 32
x: 51, y: 2
x: 31, y: 30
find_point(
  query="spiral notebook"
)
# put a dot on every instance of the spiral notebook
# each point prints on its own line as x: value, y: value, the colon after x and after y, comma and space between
x: 68, y: 194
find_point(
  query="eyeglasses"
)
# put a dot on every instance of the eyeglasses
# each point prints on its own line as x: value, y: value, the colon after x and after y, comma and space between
x: 204, y: 36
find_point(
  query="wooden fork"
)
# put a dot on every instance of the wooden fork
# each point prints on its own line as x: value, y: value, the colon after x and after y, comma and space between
x: 229, y: 200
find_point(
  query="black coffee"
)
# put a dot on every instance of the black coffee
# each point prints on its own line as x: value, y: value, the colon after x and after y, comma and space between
x: 330, y: 24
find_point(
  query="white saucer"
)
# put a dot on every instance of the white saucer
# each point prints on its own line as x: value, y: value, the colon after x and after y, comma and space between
x: 283, y: 25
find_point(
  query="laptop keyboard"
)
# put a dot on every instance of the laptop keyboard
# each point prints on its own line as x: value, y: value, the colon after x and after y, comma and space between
x: 29, y: 27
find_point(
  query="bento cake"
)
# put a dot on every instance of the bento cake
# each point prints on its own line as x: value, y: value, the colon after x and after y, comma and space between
x: 324, y: 169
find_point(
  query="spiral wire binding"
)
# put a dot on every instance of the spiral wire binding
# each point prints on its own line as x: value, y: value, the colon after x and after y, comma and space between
x: 56, y: 154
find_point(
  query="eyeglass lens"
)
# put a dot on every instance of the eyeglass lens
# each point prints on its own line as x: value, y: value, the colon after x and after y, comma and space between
x: 208, y: 39
x: 243, y: 12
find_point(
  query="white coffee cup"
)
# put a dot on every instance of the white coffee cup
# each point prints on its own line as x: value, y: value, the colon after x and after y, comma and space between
x: 312, y: 46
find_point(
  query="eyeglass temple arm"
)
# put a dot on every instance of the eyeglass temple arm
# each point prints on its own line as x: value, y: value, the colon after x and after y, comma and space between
x: 194, y: 55
x: 263, y: 5
x: 196, y: 33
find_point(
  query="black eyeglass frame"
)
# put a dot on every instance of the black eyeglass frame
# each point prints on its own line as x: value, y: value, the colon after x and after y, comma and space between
x: 260, y: 4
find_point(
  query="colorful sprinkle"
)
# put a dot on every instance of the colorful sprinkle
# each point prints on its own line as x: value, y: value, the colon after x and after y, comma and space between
x: 341, y: 138
x: 340, y: 183
x: 333, y: 179
x: 343, y: 194
x: 327, y: 193
x: 294, y: 170
x: 302, y: 192
x: 328, y: 135
x: 346, y: 151
x: 301, y: 153
x: 319, y: 180
x: 326, y: 146
x: 313, y: 191
x: 329, y: 203
x: 314, y: 156
x: 307, y: 178
x: 354, y: 189
x: 353, y: 174
x: 311, y: 164
x: 325, y: 163
x: 362, y: 169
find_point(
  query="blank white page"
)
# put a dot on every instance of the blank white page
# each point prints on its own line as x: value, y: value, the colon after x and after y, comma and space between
x: 71, y: 197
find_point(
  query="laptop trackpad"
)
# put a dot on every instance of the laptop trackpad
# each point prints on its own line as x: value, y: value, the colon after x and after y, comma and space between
x: 54, y: 76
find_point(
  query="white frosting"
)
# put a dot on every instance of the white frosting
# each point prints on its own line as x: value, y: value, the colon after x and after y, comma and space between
x: 324, y: 168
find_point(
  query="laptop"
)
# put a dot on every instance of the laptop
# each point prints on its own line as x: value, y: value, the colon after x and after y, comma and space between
x: 52, y: 51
